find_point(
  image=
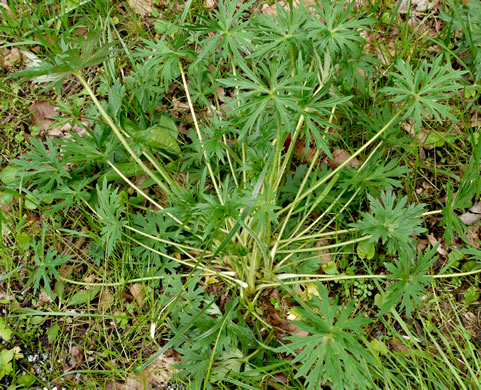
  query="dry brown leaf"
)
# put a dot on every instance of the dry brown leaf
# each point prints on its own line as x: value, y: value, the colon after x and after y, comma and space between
x: 141, y: 7
x: 43, y: 299
x: 340, y: 156
x: 209, y: 4
x: 13, y: 58
x: 77, y: 354
x: 180, y: 106
x: 106, y: 300
x: 5, y: 296
x: 476, y: 208
x: 300, y: 151
x: 89, y: 279
x: 473, y: 235
x: 65, y: 271
x: 415, y: 5
x: 220, y: 94
x: 117, y: 386
x: 159, y: 372
x: 433, y: 241
x: 473, y: 215
x: 42, y: 113
x: 323, y: 253
x: 138, y: 292
x: 272, y: 9
x: 470, y: 218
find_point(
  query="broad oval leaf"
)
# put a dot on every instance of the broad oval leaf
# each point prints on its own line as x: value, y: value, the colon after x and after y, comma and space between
x: 128, y: 169
x: 168, y: 123
x: 84, y: 296
x: 161, y: 138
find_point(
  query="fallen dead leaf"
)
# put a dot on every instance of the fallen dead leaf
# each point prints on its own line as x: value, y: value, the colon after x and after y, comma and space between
x: 180, y: 106
x: 106, y: 300
x: 118, y: 386
x: 43, y: 299
x: 300, y: 151
x: 415, y: 5
x: 4, y: 296
x: 13, y: 58
x: 220, y: 94
x: 159, y: 372
x: 476, y: 208
x: 433, y: 241
x: 43, y: 114
x: 323, y: 253
x: 209, y: 4
x: 141, y: 7
x: 473, y: 235
x: 272, y: 9
x: 340, y: 156
x: 473, y: 215
x: 422, y: 245
x: 66, y: 271
x: 138, y: 292
x: 77, y: 354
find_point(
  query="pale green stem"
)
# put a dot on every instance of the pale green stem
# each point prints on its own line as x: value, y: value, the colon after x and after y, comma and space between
x: 253, y: 259
x: 118, y: 134
x: 432, y: 212
x: 314, y: 205
x: 205, y: 269
x: 286, y: 220
x: 229, y: 160
x: 289, y: 152
x: 243, y: 148
x: 199, y: 134
x: 338, y: 169
x: 331, y: 278
x: 302, y: 247
x: 124, y: 282
x: 346, y: 205
x: 158, y: 239
x: 298, y: 194
x: 157, y: 166
x: 320, y: 248
x: 316, y: 236
x: 457, y: 275
x: 131, y: 184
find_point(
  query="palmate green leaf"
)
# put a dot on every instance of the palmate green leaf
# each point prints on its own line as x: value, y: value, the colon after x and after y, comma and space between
x: 392, y: 222
x: 282, y: 35
x: 80, y: 54
x: 316, y: 110
x: 46, y: 267
x: 268, y: 89
x: 461, y: 200
x: 43, y: 167
x: 337, y: 27
x: 410, y: 281
x: 155, y: 224
x: 164, y: 57
x: 331, y: 354
x: 376, y: 176
x: 228, y: 32
x: 421, y: 92
x: 109, y: 208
